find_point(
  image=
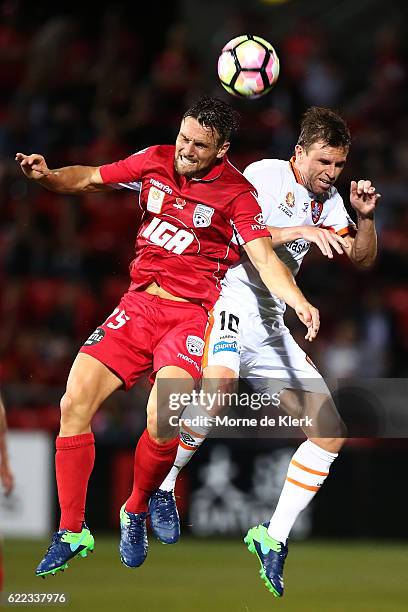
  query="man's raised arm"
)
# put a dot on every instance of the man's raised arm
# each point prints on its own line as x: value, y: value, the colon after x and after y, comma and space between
x: 71, y: 179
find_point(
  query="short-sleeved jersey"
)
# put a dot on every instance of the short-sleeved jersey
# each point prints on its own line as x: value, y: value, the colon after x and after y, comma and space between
x: 285, y: 202
x: 185, y: 239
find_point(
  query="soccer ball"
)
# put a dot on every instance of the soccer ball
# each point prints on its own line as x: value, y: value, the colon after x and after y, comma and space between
x: 248, y: 66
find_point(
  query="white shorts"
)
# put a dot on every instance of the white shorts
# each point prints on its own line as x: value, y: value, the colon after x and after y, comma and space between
x: 261, y: 350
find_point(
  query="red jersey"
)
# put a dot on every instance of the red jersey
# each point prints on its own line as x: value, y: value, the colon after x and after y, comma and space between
x: 185, y: 238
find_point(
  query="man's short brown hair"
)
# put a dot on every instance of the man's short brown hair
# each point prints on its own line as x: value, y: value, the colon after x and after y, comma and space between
x: 323, y: 124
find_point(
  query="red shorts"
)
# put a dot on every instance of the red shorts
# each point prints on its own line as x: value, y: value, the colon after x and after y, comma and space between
x: 145, y: 333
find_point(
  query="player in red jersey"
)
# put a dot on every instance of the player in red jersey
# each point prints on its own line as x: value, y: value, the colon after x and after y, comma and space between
x: 6, y: 475
x: 194, y: 202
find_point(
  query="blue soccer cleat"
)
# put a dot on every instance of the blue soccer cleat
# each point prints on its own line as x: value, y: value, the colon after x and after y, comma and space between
x: 133, y: 538
x: 65, y: 545
x: 271, y: 555
x: 164, y: 518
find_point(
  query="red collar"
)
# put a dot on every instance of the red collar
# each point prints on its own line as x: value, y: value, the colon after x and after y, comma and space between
x: 214, y: 173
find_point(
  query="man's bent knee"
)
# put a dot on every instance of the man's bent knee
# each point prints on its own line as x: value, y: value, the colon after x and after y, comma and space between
x: 161, y: 431
x: 75, y: 417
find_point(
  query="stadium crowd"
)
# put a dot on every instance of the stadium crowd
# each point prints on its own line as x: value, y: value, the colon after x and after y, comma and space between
x: 71, y: 91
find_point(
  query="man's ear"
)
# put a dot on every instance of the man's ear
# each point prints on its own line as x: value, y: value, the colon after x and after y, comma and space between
x: 299, y: 151
x: 223, y: 149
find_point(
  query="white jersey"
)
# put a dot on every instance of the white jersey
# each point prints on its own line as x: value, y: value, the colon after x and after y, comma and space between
x: 285, y: 202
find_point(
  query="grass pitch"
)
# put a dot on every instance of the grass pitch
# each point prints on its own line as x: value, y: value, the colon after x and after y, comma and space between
x: 220, y: 576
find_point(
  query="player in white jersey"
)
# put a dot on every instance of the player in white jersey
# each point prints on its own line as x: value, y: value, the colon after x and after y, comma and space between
x: 261, y: 346
x: 247, y: 335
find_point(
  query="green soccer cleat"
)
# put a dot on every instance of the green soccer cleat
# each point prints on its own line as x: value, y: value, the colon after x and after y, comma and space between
x: 65, y: 545
x: 271, y: 555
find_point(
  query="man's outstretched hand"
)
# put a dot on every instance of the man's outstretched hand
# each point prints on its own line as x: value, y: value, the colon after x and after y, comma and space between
x: 34, y: 166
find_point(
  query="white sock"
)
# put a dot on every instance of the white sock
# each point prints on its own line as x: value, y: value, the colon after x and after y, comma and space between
x: 191, y: 438
x: 307, y: 472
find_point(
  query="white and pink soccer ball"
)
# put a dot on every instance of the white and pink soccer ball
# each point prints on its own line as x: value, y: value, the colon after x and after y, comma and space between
x: 248, y: 66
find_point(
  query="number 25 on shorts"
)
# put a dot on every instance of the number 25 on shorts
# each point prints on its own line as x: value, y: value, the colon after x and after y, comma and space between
x: 119, y: 316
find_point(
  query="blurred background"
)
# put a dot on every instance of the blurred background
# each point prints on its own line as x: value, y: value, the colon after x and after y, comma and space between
x: 91, y: 87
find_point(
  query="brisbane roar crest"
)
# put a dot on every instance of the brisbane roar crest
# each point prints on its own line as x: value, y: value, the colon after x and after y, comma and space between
x: 290, y: 199
x: 317, y: 209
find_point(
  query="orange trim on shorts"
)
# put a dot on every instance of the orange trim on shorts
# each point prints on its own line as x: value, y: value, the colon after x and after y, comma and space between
x: 300, y: 484
x: 186, y: 447
x: 303, y: 467
x: 210, y: 325
x: 193, y: 433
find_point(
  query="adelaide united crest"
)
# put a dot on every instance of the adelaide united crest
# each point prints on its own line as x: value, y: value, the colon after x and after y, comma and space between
x: 195, y: 345
x: 202, y: 215
x: 317, y: 209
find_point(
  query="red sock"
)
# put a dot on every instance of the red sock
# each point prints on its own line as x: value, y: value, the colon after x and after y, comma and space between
x: 152, y: 463
x: 74, y: 461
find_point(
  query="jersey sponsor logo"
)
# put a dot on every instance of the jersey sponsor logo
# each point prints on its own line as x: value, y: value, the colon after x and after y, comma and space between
x: 167, y: 235
x: 317, y: 209
x: 225, y: 346
x: 189, y: 360
x: 195, y: 345
x: 298, y: 246
x: 285, y: 209
x: 202, y: 215
x: 259, y: 219
x: 227, y: 337
x: 161, y: 186
x: 290, y: 199
x: 155, y: 200
x: 95, y: 337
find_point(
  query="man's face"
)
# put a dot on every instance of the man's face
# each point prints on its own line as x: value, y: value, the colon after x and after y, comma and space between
x: 320, y: 166
x: 197, y: 149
